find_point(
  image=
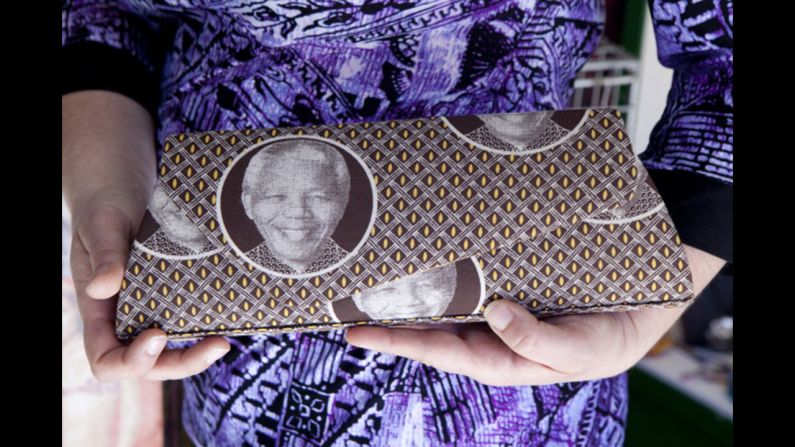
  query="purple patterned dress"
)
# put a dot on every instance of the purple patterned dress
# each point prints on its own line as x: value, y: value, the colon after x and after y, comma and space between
x: 232, y: 64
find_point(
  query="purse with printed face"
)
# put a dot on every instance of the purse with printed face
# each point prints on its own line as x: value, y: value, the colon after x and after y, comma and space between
x: 397, y: 222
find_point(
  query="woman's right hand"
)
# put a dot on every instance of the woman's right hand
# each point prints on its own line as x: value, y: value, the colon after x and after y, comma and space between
x: 108, y: 174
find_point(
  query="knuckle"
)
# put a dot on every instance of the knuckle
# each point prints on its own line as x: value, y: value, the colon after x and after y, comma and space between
x: 133, y: 367
x: 103, y: 220
x: 102, y: 214
x: 523, y: 342
x: 107, y: 254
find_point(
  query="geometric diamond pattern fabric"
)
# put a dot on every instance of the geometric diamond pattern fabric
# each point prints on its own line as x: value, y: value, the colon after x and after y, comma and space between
x: 574, y: 227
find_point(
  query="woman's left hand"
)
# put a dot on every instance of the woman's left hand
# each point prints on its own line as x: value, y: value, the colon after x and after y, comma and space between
x: 515, y: 348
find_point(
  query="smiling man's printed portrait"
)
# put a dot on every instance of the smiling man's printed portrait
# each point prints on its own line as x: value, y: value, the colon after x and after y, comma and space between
x: 295, y: 193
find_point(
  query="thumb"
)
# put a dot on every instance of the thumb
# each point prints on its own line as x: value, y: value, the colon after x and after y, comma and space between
x: 106, y: 238
x: 534, y: 339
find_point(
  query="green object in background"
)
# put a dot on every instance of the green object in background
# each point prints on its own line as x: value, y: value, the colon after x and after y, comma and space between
x: 660, y: 415
x: 632, y: 32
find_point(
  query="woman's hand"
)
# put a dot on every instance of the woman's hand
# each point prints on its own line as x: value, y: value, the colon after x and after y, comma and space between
x: 515, y: 348
x: 108, y: 175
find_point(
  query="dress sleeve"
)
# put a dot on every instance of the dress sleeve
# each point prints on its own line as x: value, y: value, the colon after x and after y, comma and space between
x: 107, y: 45
x: 691, y: 148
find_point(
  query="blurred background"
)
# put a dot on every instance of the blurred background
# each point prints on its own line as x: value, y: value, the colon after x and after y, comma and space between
x: 680, y: 394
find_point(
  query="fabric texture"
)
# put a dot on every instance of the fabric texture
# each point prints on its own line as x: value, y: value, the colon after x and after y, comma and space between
x: 247, y: 64
x: 575, y: 227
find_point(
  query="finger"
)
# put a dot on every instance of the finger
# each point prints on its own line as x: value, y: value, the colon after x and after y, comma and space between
x: 144, y: 357
x: 98, y: 316
x: 79, y: 264
x: 106, y: 238
x: 111, y: 360
x: 449, y: 327
x: 438, y: 348
x: 90, y: 308
x: 181, y: 363
x: 476, y: 352
x: 564, y: 349
x: 469, y: 351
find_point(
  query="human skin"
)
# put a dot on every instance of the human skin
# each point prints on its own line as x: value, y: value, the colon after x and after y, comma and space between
x: 109, y: 171
x: 515, y: 348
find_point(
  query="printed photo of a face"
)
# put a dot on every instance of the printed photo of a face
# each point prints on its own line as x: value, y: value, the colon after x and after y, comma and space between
x: 295, y: 193
x: 167, y: 231
x: 518, y: 132
x: 452, y: 289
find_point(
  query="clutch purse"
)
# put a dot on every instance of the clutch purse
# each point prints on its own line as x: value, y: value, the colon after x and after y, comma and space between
x: 398, y: 222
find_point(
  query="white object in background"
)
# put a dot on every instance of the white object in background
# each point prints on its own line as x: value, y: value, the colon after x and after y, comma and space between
x: 114, y: 414
x: 655, y: 82
x: 610, y: 71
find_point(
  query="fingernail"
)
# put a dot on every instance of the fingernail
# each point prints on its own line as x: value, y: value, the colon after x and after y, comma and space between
x: 101, y: 270
x: 100, y: 290
x: 498, y: 315
x: 215, y: 354
x: 354, y: 341
x: 155, y: 345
